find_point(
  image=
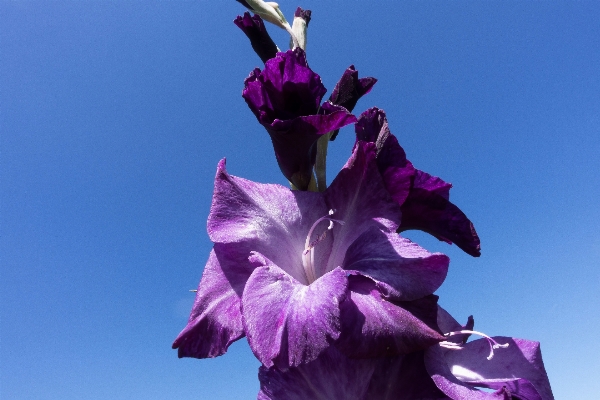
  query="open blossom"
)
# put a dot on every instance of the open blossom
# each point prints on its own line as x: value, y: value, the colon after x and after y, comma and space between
x: 286, y: 98
x: 515, y: 372
x: 300, y: 272
x: 424, y: 198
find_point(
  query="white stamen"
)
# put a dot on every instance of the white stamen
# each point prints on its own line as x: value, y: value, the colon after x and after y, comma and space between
x: 308, y: 255
x: 455, y: 346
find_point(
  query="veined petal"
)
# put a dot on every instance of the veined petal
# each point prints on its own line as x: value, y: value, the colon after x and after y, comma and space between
x: 270, y: 219
x: 360, y: 200
x: 447, y: 324
x: 395, y: 169
x: 373, y: 326
x: 409, y: 270
x: 288, y: 323
x: 423, y: 180
x: 519, y: 367
x: 285, y: 98
x: 215, y: 321
x: 332, y: 376
x: 432, y: 213
x: 402, y: 377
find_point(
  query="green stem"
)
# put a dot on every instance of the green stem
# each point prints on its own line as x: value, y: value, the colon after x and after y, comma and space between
x: 321, y: 162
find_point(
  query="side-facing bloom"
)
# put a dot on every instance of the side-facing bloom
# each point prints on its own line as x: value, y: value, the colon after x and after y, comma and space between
x: 254, y: 28
x: 424, y: 198
x: 516, y: 371
x: 286, y: 98
x: 299, y: 273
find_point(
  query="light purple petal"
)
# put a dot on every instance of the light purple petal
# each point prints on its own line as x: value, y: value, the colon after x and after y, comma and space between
x: 332, y: 376
x: 215, y: 321
x: 395, y: 169
x: 448, y: 324
x: 373, y: 326
x: 288, y: 323
x: 449, y: 384
x: 410, y: 271
x: 402, y: 377
x: 522, y: 359
x: 271, y: 219
x: 360, y: 200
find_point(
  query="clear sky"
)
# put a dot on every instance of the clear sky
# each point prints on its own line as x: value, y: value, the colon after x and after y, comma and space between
x: 113, y: 116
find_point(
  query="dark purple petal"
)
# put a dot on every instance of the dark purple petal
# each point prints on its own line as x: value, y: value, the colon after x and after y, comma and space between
x: 270, y: 219
x: 423, y: 180
x: 402, y: 377
x: 448, y: 324
x: 396, y: 170
x: 285, y: 98
x: 332, y: 376
x: 429, y: 212
x: 304, y: 14
x: 349, y: 90
x: 522, y: 359
x: 288, y: 323
x: 360, y: 200
x: 215, y: 321
x: 406, y: 269
x: 373, y: 326
x: 254, y: 28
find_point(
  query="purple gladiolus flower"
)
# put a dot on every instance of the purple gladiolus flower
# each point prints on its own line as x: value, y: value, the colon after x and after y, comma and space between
x: 424, y: 198
x: 515, y: 372
x: 300, y: 272
x: 285, y: 98
x: 254, y: 28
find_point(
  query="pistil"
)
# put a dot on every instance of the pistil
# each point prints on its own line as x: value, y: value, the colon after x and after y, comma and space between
x: 308, y: 255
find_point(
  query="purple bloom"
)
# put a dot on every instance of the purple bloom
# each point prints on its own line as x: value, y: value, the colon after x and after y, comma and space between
x: 516, y: 371
x: 296, y: 287
x: 285, y: 98
x: 424, y: 198
x: 254, y: 28
x: 349, y: 90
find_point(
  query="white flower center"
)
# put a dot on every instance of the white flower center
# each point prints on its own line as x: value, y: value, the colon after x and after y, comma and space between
x: 308, y: 255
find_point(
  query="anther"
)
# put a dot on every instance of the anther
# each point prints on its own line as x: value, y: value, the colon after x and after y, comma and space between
x: 455, y: 346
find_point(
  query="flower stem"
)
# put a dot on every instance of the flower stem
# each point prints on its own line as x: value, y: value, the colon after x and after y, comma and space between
x: 321, y: 162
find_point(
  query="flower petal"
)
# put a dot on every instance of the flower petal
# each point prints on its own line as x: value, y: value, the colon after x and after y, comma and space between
x: 288, y: 323
x: 395, y: 169
x: 373, y: 326
x: 518, y: 369
x: 423, y: 180
x: 522, y: 359
x: 447, y: 324
x: 270, y: 219
x: 430, y: 212
x: 285, y: 98
x: 215, y: 321
x: 254, y: 28
x: 402, y: 377
x: 410, y: 271
x: 332, y: 376
x: 360, y: 200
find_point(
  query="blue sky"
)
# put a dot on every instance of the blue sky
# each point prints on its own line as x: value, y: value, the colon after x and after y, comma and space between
x: 113, y: 116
